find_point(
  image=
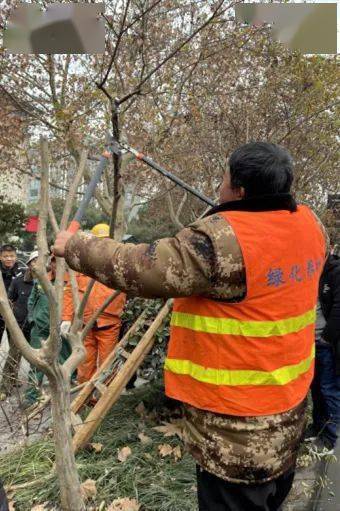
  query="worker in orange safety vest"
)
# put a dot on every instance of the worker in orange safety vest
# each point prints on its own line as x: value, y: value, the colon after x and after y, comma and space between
x: 104, y: 335
x: 241, y: 353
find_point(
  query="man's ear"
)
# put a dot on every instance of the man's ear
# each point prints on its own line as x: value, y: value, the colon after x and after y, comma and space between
x: 239, y: 193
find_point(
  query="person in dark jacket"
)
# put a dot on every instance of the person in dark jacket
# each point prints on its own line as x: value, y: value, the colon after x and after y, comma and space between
x: 325, y: 388
x: 39, y: 319
x: 10, y: 268
x: 18, y: 294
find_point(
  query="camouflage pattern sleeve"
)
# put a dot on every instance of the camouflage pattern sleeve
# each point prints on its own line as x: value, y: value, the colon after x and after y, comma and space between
x: 202, y: 259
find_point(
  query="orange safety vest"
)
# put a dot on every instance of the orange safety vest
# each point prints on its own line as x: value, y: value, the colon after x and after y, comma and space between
x: 98, y: 295
x: 255, y: 357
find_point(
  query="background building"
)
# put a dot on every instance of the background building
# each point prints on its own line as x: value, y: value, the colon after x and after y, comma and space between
x: 13, y: 123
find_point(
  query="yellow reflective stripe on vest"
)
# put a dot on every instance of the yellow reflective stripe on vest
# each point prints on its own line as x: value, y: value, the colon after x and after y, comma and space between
x: 227, y: 326
x: 280, y: 376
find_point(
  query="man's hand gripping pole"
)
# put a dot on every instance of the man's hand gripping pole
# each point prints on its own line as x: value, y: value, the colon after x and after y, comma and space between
x: 119, y: 148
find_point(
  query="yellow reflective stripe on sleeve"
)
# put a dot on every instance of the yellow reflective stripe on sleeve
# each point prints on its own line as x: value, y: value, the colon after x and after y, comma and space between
x: 227, y: 326
x: 280, y: 376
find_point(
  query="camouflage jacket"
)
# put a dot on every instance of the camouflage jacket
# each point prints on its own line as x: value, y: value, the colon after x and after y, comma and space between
x: 203, y: 259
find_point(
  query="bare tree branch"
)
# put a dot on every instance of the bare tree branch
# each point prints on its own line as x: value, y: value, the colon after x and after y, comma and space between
x: 173, y: 216
x: 59, y: 285
x: 73, y: 190
x: 181, y: 205
x: 104, y: 202
x: 308, y: 118
x: 52, y: 218
x: 141, y: 15
x: 34, y: 113
x: 39, y: 268
x: 64, y: 80
x: 137, y: 89
x: 74, y: 288
x: 51, y: 78
x: 74, y: 336
x: 78, y: 319
x: 123, y: 29
x: 31, y: 354
x: 116, y: 48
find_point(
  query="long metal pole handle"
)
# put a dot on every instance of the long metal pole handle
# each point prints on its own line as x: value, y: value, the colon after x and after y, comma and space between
x: 89, y: 192
x: 169, y: 175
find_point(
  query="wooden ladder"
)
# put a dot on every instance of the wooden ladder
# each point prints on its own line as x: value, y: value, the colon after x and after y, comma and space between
x: 112, y: 376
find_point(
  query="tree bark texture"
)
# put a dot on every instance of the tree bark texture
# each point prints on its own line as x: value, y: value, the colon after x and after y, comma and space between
x: 70, y: 490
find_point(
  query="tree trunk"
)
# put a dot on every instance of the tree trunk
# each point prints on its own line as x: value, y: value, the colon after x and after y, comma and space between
x: 70, y: 491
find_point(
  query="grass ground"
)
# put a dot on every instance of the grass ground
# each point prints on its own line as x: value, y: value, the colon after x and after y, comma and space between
x: 157, y: 483
x: 156, y: 476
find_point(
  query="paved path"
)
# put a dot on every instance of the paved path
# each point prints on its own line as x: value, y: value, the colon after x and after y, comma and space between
x: 14, y: 430
x: 327, y: 498
x: 303, y: 491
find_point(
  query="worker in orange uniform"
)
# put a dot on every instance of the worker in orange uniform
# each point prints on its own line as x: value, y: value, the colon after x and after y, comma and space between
x: 104, y: 335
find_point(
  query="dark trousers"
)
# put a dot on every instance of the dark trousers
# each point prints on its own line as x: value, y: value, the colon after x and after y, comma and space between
x: 326, y: 393
x: 215, y: 494
x: 3, y: 499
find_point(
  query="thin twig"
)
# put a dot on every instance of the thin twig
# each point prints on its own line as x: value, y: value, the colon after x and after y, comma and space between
x: 6, y: 417
x: 52, y: 218
x: 44, y: 404
x: 31, y: 354
x: 29, y: 484
x: 116, y: 48
x: 137, y: 89
x: 74, y: 335
x: 74, y: 288
x: 73, y: 190
x: 39, y: 268
x: 308, y: 118
x: 80, y: 311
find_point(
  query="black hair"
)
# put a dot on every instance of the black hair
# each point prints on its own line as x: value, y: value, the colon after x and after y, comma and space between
x: 261, y: 168
x: 8, y: 248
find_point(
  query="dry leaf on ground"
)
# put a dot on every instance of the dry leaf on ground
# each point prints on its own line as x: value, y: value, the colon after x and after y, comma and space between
x: 39, y: 507
x: 177, y: 453
x: 140, y: 409
x: 89, y: 489
x: 170, y: 428
x: 124, y: 504
x: 144, y: 438
x: 124, y: 453
x: 96, y: 447
x: 165, y: 450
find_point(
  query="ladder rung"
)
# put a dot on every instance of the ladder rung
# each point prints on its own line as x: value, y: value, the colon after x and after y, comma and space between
x: 75, y: 420
x: 101, y: 387
x: 124, y: 353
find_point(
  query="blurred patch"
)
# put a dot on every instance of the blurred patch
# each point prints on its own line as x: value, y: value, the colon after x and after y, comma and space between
x: 309, y: 28
x: 61, y: 28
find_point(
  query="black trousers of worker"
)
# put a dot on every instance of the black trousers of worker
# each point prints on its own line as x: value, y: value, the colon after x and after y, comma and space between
x: 3, y: 499
x: 215, y: 494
